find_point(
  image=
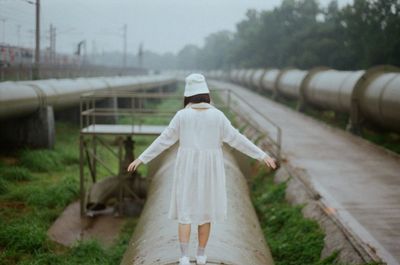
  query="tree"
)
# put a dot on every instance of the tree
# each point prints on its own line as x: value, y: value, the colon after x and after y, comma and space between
x: 299, y: 33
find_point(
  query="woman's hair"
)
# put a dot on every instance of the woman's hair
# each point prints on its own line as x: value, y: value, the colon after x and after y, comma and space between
x: 205, y: 97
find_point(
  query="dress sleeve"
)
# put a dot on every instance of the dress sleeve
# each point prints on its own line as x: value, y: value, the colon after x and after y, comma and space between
x: 167, y: 138
x: 234, y: 138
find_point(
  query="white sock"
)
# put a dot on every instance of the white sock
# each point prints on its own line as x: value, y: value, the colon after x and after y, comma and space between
x: 200, y: 251
x: 184, y: 248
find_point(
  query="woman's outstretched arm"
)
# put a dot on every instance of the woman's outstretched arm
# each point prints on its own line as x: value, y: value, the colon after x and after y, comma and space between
x: 167, y: 138
x: 234, y: 138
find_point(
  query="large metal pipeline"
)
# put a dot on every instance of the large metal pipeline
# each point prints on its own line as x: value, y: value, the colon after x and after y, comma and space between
x: 247, y: 79
x: 24, y: 97
x: 379, y: 98
x: 233, y: 75
x: 268, y: 81
x: 237, y: 241
x: 372, y: 95
x: 289, y: 82
x: 256, y: 78
x: 332, y: 89
x: 241, y: 76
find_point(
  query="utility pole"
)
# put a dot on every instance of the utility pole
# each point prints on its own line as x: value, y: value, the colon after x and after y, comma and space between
x: 94, y: 52
x: 4, y: 29
x: 81, y: 52
x: 36, y: 69
x: 50, y: 50
x: 52, y: 46
x: 19, y: 35
x: 125, y: 44
x: 140, y: 55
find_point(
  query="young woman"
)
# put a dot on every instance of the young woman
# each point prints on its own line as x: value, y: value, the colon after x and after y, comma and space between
x: 198, y: 191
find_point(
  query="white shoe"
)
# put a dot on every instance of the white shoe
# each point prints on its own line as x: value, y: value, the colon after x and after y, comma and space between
x: 201, y: 260
x: 184, y: 260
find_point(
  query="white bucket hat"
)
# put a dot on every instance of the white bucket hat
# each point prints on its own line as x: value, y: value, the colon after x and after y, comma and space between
x: 195, y: 84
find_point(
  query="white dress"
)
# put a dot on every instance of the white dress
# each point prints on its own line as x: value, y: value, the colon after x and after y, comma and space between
x: 199, y: 191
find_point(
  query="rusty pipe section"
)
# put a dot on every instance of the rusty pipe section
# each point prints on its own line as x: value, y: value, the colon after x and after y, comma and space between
x: 25, y: 97
x: 237, y: 241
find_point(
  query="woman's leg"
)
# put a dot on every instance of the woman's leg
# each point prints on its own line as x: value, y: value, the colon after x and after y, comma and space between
x: 184, y: 237
x: 184, y: 232
x: 204, y: 233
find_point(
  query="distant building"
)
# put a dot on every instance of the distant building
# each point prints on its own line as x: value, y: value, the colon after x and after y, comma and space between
x: 13, y: 55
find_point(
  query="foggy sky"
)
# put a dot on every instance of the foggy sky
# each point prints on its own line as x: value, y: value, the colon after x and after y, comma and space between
x: 162, y: 25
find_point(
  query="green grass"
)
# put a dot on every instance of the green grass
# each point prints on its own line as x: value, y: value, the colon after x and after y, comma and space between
x: 26, y: 234
x: 41, y: 160
x: 46, y: 193
x: 293, y: 239
x: 35, y: 187
x: 3, y: 186
x: 388, y: 140
x: 15, y: 173
x: 38, y: 250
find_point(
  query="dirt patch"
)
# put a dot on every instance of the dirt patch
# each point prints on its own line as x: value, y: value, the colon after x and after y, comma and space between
x: 13, y: 205
x: 71, y: 227
x: 8, y: 160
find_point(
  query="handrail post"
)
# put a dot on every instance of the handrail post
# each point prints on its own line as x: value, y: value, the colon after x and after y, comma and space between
x: 229, y: 100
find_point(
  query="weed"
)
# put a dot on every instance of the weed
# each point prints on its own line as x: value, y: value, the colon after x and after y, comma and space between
x: 41, y: 194
x: 3, y: 186
x: 41, y: 160
x: 15, y: 173
x: 26, y: 234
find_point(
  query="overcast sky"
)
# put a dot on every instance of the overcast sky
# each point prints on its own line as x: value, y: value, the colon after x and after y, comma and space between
x: 162, y: 25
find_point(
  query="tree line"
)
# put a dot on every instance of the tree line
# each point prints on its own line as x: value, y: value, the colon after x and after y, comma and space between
x: 302, y: 34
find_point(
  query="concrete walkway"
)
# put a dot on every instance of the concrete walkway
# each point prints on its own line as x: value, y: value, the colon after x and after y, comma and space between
x: 361, y: 181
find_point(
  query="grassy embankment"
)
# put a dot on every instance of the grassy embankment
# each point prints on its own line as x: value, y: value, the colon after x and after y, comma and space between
x: 35, y: 187
x: 293, y: 239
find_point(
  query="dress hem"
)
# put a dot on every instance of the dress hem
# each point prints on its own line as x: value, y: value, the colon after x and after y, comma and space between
x: 209, y: 220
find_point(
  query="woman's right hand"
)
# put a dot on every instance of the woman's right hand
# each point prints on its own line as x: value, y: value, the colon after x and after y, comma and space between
x: 133, y: 166
x: 270, y: 162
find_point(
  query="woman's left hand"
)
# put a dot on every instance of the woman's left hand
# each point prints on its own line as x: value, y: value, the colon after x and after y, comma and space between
x: 270, y: 162
x: 134, y: 165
